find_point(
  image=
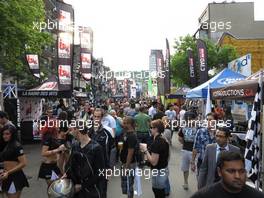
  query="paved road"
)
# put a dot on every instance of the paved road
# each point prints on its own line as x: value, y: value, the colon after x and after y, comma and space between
x: 38, y: 187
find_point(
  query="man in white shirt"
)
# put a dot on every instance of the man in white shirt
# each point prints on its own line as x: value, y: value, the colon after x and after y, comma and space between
x: 108, y: 121
x: 182, y: 112
x: 152, y: 110
x: 170, y: 113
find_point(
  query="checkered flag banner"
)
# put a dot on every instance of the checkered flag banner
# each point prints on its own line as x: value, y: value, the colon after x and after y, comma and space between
x: 253, y: 139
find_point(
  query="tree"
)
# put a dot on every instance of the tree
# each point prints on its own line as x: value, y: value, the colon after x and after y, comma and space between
x: 218, y: 57
x: 18, y: 36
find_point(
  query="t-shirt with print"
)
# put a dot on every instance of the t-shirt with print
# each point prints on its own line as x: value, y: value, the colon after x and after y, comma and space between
x: 188, y: 135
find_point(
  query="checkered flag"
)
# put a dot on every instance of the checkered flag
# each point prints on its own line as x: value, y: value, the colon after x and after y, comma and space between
x: 253, y: 139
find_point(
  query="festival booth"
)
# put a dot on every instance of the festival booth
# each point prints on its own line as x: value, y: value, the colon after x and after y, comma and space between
x: 242, y: 90
x: 32, y: 105
x: 222, y: 79
x: 241, y: 94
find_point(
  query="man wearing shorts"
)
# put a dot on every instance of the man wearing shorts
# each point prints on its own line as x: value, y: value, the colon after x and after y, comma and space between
x: 186, y: 138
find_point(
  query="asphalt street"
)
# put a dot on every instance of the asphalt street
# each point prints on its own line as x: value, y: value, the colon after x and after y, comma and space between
x: 38, y: 187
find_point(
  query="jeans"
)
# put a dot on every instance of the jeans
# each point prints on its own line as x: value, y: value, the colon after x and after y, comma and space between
x: 160, y: 178
x: 168, y: 187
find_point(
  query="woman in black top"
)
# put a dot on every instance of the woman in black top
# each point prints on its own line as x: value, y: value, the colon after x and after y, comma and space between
x: 13, y: 178
x: 158, y: 157
x: 51, y: 142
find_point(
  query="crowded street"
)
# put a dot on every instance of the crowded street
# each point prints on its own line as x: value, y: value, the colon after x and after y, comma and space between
x: 115, y: 99
x: 38, y: 186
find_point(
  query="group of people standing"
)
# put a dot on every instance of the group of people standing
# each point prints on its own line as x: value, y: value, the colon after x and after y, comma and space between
x: 126, y: 135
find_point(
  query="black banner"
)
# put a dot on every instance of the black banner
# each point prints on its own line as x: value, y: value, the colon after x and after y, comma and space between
x: 160, y: 72
x: 65, y: 45
x: 202, y: 60
x: 167, y: 69
x: 86, y: 48
x: 192, y: 70
x: 33, y: 64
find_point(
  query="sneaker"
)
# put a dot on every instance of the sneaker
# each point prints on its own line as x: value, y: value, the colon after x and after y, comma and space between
x: 185, y: 186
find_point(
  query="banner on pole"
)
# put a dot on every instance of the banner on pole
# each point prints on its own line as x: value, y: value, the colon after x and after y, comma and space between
x: 65, y: 45
x: 33, y: 64
x: 202, y: 60
x: 192, y: 70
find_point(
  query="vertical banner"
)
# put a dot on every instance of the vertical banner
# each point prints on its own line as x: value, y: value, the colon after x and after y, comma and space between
x: 167, y: 69
x: 33, y: 64
x: 160, y: 72
x: 192, y: 70
x: 65, y: 45
x: 202, y: 60
x: 86, y: 46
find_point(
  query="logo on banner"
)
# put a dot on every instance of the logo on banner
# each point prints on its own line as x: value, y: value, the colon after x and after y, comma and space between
x: 225, y: 81
x: 191, y: 67
x: 33, y: 61
x: 86, y: 60
x: 48, y: 86
x: 65, y: 74
x: 87, y: 76
x: 241, y: 65
x: 64, y: 20
x: 64, y: 45
x: 202, y: 59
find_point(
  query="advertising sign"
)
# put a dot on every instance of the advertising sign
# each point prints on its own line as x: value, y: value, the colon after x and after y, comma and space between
x: 65, y: 74
x: 191, y: 67
x: 202, y: 60
x: 33, y: 64
x: 241, y: 65
x: 86, y: 60
x: 64, y: 45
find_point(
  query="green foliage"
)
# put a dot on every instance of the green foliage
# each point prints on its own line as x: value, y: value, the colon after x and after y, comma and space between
x: 218, y: 57
x: 18, y: 36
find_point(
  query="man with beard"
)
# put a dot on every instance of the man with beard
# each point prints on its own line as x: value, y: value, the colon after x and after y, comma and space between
x: 231, y: 168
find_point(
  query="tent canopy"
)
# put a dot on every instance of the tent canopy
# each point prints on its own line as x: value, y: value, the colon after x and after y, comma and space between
x: 49, y: 88
x: 244, y: 89
x: 222, y: 79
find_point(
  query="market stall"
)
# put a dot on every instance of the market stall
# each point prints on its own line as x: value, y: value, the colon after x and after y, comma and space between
x: 32, y: 105
x: 244, y: 89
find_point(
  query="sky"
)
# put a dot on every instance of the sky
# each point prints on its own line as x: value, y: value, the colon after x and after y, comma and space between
x: 126, y: 30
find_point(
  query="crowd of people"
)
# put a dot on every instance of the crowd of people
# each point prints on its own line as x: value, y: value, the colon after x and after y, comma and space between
x: 126, y: 134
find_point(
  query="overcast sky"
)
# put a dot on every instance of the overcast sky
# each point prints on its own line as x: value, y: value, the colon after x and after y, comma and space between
x: 126, y: 30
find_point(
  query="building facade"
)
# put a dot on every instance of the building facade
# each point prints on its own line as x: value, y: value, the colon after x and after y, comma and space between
x: 255, y: 47
x: 236, y: 18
